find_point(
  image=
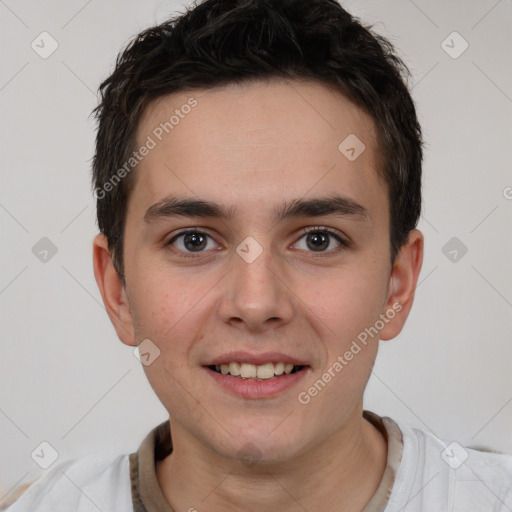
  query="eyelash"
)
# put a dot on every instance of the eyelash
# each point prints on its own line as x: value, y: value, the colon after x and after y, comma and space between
x: 305, y: 231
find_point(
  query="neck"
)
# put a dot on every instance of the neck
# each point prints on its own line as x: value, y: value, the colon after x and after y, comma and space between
x: 342, y: 472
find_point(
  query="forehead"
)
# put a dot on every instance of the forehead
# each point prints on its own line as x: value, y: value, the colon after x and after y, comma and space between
x: 258, y: 141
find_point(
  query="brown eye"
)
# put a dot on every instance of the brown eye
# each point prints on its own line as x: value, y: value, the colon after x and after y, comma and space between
x: 192, y: 241
x: 318, y: 241
x: 321, y: 240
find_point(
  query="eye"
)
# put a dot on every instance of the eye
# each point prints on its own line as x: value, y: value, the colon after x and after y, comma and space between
x: 192, y: 241
x: 319, y: 239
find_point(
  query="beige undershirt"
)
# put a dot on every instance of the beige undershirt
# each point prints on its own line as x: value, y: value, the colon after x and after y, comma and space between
x: 147, y: 496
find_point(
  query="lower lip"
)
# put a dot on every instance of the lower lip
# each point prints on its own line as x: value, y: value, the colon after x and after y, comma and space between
x: 247, y: 388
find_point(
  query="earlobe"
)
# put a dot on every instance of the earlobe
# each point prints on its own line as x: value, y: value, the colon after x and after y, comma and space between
x: 112, y: 291
x: 402, y: 284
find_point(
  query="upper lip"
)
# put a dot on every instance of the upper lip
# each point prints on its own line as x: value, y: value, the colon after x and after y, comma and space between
x: 256, y: 359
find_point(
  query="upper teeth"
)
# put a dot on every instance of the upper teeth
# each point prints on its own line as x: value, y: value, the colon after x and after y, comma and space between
x: 262, y: 371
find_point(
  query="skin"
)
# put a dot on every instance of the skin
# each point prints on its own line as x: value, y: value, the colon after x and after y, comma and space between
x: 253, y: 147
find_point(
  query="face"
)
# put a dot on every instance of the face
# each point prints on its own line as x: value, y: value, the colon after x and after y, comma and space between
x: 250, y: 230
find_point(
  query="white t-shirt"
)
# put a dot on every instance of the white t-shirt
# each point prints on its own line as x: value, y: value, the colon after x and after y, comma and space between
x: 423, y: 474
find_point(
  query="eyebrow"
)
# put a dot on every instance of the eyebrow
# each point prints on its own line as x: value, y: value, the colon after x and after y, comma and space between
x: 172, y: 206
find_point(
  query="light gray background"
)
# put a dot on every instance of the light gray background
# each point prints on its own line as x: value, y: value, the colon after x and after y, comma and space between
x: 67, y: 379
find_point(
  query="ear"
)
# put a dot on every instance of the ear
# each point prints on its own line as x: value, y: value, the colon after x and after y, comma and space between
x: 112, y: 291
x: 402, y: 284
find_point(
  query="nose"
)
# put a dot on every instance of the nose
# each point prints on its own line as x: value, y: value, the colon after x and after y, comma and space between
x: 256, y: 294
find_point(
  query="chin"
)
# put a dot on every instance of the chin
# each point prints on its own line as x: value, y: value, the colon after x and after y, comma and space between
x: 263, y: 446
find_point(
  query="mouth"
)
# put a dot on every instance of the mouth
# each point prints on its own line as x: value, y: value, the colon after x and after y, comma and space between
x: 262, y: 372
x: 256, y: 382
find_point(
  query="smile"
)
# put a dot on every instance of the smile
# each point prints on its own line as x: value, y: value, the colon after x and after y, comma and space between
x: 247, y: 383
x: 265, y: 371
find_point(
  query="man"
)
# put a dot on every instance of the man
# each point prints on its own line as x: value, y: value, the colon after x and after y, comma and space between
x: 258, y: 183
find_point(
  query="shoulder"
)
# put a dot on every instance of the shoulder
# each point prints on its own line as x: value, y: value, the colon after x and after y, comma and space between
x: 90, y: 483
x: 456, y: 459
x: 439, y: 473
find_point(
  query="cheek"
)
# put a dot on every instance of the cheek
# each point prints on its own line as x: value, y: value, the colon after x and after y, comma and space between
x: 166, y: 309
x: 351, y: 344
x: 168, y: 312
x: 350, y: 301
